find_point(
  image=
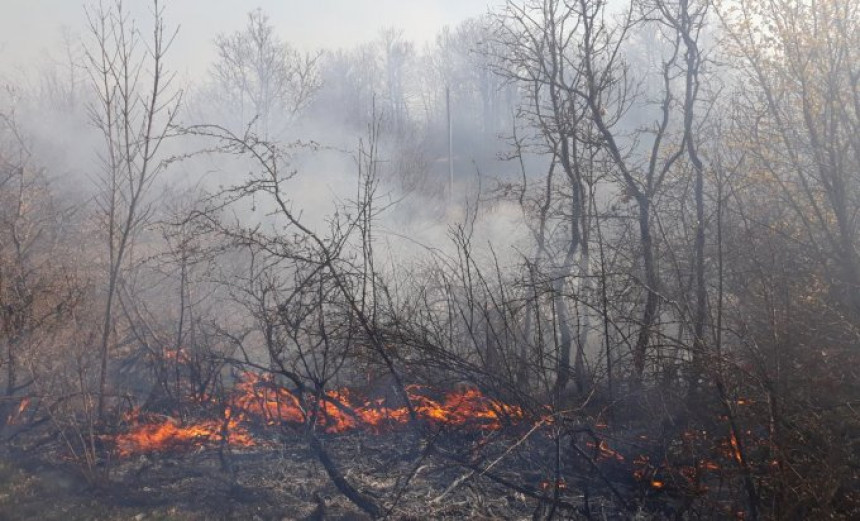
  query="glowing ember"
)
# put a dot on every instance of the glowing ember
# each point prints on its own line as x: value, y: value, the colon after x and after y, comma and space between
x: 736, y: 451
x: 641, y: 467
x: 559, y: 484
x: 605, y: 452
x: 709, y: 465
x: 177, y: 354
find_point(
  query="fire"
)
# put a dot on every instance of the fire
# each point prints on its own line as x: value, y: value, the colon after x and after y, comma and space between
x: 261, y: 398
x: 151, y: 434
x: 13, y: 417
x: 605, y: 452
x: 342, y: 410
x: 468, y: 407
x: 257, y: 399
x: 736, y: 450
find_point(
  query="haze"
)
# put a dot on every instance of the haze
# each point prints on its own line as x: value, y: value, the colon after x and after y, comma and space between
x: 525, y: 259
x: 31, y: 28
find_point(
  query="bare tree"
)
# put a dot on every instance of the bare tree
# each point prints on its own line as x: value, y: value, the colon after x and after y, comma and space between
x: 257, y: 76
x: 572, y: 60
x: 38, y: 290
x: 810, y: 133
x: 134, y: 107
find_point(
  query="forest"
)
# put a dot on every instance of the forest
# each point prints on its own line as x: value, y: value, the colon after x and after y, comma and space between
x: 571, y: 259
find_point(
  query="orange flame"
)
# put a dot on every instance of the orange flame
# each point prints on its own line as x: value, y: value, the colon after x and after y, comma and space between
x: 13, y: 417
x: 261, y: 399
x: 342, y: 410
x: 736, y: 448
x: 158, y: 434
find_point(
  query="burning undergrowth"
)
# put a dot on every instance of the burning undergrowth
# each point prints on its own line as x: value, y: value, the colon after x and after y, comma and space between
x: 628, y: 467
x: 150, y: 433
x: 257, y: 404
x: 579, y: 456
x: 454, y: 444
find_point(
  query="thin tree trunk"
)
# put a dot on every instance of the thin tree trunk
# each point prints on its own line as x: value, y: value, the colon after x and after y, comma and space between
x: 649, y: 314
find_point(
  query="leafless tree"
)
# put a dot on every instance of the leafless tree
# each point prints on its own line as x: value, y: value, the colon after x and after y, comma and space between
x: 134, y: 107
x: 571, y: 58
x: 258, y: 77
x: 38, y: 289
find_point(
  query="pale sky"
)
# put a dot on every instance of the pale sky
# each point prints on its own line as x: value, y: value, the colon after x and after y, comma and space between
x: 30, y: 28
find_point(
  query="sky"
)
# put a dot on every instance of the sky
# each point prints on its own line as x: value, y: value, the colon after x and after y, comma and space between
x: 31, y: 28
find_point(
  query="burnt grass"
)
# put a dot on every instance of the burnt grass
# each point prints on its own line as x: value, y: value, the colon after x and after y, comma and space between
x: 440, y: 475
x: 266, y: 482
x: 572, y: 467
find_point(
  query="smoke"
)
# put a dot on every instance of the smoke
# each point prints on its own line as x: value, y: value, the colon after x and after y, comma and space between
x: 420, y: 209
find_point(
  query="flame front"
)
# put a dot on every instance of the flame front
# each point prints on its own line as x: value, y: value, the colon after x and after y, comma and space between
x: 152, y: 434
x: 258, y: 399
x: 342, y: 410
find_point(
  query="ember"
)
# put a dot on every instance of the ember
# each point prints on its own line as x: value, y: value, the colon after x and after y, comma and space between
x: 736, y: 451
x: 559, y: 484
x: 606, y: 452
x: 709, y: 465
